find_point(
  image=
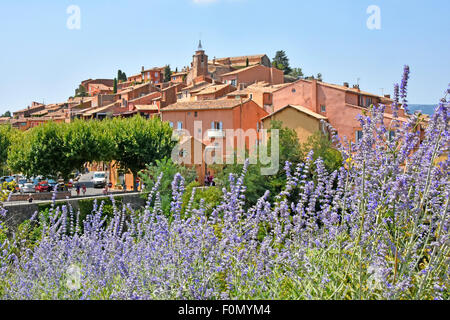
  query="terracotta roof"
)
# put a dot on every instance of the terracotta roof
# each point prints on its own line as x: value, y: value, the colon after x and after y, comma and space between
x: 204, y: 105
x: 101, y: 86
x: 240, y: 58
x: 239, y: 71
x: 146, y: 107
x: 99, y: 109
x: 154, y: 69
x: 347, y: 89
x: 40, y: 113
x: 179, y: 74
x: 259, y: 87
x: 299, y: 109
x: 155, y: 93
x: 213, y: 88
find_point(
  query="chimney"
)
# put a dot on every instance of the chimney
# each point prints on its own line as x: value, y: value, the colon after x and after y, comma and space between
x: 346, y: 84
x: 356, y: 86
x: 143, y: 68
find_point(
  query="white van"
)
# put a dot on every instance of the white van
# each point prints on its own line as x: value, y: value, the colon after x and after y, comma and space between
x: 99, y: 179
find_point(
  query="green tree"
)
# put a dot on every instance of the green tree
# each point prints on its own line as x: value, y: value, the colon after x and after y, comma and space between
x: 6, y: 136
x: 322, y: 146
x: 115, y: 85
x: 297, y: 73
x: 7, y: 114
x: 168, y: 169
x: 247, y: 63
x: 290, y: 150
x: 167, y: 73
x: 41, y: 151
x: 81, y: 91
x: 281, y: 62
x: 139, y: 142
x: 121, y: 76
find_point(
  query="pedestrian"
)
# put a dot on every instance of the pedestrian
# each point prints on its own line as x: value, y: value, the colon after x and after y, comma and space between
x: 84, y: 189
x: 78, y: 189
x: 30, y: 198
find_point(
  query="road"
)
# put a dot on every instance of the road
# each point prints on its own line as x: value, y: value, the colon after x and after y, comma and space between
x: 85, y: 179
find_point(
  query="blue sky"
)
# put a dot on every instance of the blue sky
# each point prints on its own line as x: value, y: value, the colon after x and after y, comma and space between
x: 43, y: 60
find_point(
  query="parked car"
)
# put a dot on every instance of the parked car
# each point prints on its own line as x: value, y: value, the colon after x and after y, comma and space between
x: 21, y: 182
x: 42, y: 186
x: 99, y: 179
x: 52, y: 184
x: 28, y: 188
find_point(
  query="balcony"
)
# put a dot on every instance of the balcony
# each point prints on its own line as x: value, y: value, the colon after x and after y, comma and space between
x: 216, y: 133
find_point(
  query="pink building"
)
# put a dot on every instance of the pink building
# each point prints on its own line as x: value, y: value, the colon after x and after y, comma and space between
x: 340, y: 104
x: 244, y: 77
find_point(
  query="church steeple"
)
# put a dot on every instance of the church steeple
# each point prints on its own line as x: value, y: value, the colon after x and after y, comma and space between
x: 200, y: 48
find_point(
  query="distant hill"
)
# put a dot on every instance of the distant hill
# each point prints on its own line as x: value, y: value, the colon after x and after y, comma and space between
x: 425, y: 108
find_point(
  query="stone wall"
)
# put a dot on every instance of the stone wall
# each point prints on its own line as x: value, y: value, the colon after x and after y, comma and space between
x: 18, y: 213
x: 39, y: 196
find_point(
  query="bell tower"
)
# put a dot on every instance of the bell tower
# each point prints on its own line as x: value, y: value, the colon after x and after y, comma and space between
x: 200, y: 62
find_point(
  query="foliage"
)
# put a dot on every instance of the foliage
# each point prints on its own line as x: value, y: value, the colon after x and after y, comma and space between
x: 56, y: 149
x: 167, y: 73
x: 6, y: 133
x: 206, y: 198
x: 281, y: 62
x: 297, y: 73
x: 81, y: 91
x: 323, y: 148
x: 7, y: 114
x: 290, y: 150
x: 6, y: 189
x: 121, y: 76
x: 139, y: 142
x: 115, y: 85
x: 168, y: 169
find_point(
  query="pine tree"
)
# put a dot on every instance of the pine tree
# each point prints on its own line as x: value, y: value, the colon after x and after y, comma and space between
x: 115, y: 85
x: 167, y: 73
x: 281, y: 62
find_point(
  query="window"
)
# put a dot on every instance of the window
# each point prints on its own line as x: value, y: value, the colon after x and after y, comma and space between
x: 361, y: 101
x: 195, y: 114
x: 233, y: 82
x: 180, y: 125
x: 323, y: 108
x: 359, y: 136
x: 251, y: 96
x: 368, y: 102
x: 216, y: 125
x: 293, y: 90
x: 171, y: 124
